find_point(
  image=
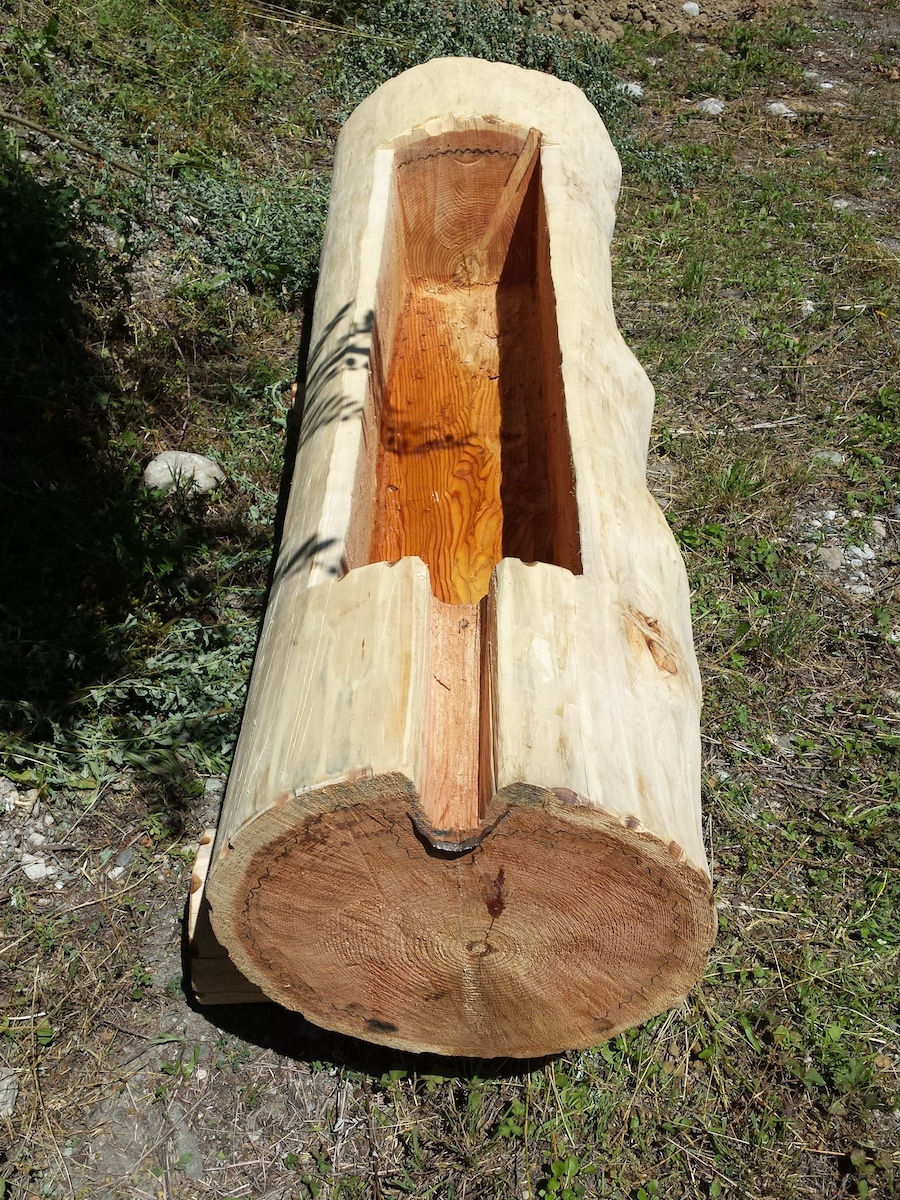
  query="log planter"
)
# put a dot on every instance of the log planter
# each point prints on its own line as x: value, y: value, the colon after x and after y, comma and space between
x: 463, y: 815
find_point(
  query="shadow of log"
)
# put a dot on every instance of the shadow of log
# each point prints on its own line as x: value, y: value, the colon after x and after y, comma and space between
x: 291, y: 1036
x: 64, y: 515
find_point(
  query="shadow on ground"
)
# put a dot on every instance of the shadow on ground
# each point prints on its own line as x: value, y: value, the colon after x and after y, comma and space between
x: 288, y: 1034
x: 62, y: 513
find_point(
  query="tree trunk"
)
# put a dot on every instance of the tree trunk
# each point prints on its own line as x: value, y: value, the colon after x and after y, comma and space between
x: 464, y: 810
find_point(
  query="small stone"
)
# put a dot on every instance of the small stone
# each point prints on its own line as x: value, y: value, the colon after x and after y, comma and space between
x: 879, y: 529
x: 826, y: 86
x: 861, y: 589
x: 35, y: 839
x: 840, y: 205
x: 196, y: 473
x: 832, y: 557
x: 631, y: 89
x: 712, y: 106
x: 829, y: 456
x: 829, y: 514
x: 37, y: 868
x: 691, y: 9
x: 807, y: 308
x: 9, y: 1092
x: 777, y: 109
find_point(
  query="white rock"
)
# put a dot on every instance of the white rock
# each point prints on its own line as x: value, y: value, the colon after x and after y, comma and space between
x: 197, y: 473
x: 879, y: 529
x: 829, y: 514
x: 840, y: 205
x: 9, y: 1092
x: 829, y: 456
x: 691, y: 9
x: 37, y: 868
x: 807, y: 308
x: 832, y: 556
x: 631, y: 89
x: 711, y: 106
x: 861, y: 589
x: 826, y: 86
x: 777, y: 109
x: 35, y: 839
x: 9, y: 796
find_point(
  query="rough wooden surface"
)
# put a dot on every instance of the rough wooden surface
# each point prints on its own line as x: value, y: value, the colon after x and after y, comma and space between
x: 464, y: 809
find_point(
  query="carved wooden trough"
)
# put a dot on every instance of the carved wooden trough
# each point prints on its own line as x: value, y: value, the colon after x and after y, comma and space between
x: 464, y: 813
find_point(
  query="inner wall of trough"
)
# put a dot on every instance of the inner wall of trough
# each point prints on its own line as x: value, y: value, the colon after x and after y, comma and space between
x: 473, y: 459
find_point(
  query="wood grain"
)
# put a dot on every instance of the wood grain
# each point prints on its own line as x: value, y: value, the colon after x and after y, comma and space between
x: 439, y: 478
x: 464, y: 811
x: 472, y: 428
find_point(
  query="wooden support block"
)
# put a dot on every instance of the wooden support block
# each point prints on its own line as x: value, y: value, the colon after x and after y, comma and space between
x: 214, y: 977
x: 464, y: 810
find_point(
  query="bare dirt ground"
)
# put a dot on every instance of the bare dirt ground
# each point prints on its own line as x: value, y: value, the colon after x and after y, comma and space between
x: 605, y: 18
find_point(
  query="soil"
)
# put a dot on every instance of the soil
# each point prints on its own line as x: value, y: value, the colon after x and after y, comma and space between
x: 605, y: 18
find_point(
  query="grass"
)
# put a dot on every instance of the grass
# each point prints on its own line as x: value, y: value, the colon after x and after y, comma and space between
x: 159, y: 242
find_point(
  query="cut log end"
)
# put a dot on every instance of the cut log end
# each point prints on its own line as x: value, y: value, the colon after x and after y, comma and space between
x: 560, y: 929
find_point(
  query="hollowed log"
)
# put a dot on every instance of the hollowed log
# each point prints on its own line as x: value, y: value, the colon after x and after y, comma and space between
x: 463, y: 814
